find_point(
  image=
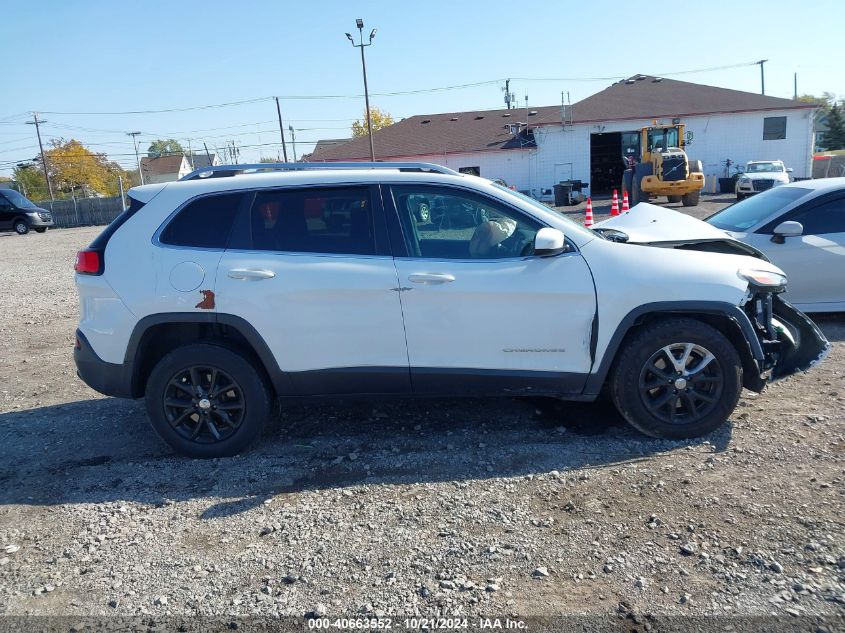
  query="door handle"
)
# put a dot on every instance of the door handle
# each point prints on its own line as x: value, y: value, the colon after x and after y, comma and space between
x: 430, y: 278
x: 251, y: 274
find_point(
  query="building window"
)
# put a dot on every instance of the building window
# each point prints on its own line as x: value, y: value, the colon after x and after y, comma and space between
x: 774, y: 128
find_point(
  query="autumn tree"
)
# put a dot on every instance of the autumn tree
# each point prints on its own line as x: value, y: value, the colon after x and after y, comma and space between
x: 164, y: 147
x: 379, y: 119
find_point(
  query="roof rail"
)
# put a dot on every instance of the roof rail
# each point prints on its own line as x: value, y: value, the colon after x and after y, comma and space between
x: 218, y: 171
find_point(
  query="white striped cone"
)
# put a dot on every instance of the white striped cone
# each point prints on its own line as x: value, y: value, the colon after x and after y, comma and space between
x: 614, y: 208
x: 588, y: 216
x: 625, y: 206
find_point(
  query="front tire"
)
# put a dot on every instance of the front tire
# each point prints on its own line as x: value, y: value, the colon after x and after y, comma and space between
x: 691, y: 199
x: 21, y: 227
x: 207, y: 401
x: 677, y: 379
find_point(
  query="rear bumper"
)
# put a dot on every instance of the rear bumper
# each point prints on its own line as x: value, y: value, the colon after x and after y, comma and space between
x: 110, y: 379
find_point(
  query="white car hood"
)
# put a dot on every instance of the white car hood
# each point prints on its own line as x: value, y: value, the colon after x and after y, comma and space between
x: 647, y: 223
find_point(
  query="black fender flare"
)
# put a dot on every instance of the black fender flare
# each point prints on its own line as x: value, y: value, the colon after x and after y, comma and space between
x: 280, y: 380
x: 753, y: 352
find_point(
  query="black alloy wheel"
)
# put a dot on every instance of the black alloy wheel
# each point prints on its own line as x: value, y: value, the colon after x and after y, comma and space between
x: 204, y: 404
x: 681, y: 383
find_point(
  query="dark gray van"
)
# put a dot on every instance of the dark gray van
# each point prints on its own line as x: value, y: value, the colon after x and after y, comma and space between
x: 19, y: 214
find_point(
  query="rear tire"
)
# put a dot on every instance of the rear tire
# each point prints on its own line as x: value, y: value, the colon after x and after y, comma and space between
x: 687, y: 397
x: 691, y: 199
x: 674, y: 198
x: 20, y: 226
x: 191, y: 408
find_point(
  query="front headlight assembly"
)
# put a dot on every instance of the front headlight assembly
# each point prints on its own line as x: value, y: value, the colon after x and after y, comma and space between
x: 763, y: 278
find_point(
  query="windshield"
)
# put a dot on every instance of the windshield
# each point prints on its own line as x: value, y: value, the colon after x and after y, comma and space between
x: 539, y: 205
x: 752, y: 211
x: 662, y: 139
x: 753, y: 168
x: 17, y: 199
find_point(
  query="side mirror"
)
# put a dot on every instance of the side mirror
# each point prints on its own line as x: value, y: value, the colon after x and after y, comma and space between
x: 549, y: 242
x: 790, y: 228
x: 789, y: 170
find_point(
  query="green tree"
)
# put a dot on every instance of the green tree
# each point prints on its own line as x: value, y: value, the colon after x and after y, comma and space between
x: 380, y: 120
x: 164, y: 147
x: 269, y: 159
x: 29, y: 180
x: 834, y: 137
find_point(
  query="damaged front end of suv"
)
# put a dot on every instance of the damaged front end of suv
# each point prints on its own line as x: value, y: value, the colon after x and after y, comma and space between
x: 789, y: 341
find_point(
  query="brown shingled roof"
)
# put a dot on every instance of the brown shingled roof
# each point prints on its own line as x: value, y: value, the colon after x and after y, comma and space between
x: 640, y: 97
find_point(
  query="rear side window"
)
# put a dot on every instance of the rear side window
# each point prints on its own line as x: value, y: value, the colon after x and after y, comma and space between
x: 203, y: 223
x: 314, y: 220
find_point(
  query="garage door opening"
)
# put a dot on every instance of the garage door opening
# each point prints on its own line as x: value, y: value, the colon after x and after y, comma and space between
x: 606, y: 164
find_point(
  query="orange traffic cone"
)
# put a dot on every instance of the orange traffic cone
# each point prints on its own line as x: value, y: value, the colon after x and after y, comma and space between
x: 625, y: 206
x: 588, y: 217
x: 614, y: 208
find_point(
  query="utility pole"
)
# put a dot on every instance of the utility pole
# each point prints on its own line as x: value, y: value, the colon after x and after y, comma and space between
x: 207, y: 154
x: 293, y: 141
x: 508, y: 93
x: 360, y: 24
x: 37, y: 123
x: 762, y: 76
x: 281, y: 129
x: 134, y: 136
x: 795, y: 86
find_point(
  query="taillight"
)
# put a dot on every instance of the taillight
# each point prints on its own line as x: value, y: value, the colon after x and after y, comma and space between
x: 89, y: 262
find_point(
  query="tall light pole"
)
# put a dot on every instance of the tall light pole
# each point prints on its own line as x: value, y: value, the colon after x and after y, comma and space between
x: 292, y: 141
x: 37, y: 123
x: 134, y: 136
x: 360, y: 24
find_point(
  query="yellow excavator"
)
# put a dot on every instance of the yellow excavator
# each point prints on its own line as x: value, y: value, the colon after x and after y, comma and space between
x: 660, y: 167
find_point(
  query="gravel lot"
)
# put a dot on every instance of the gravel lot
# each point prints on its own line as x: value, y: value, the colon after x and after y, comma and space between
x: 405, y: 507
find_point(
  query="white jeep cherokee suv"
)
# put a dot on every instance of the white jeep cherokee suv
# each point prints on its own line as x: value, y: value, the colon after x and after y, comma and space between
x: 216, y: 296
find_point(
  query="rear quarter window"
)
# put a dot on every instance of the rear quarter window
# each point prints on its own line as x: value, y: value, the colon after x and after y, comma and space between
x: 203, y: 223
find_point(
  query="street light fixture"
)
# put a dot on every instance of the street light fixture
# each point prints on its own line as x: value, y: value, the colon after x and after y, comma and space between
x: 359, y: 23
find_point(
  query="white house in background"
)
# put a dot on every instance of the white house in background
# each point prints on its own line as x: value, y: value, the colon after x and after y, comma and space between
x: 533, y: 149
x: 172, y: 168
x: 164, y: 168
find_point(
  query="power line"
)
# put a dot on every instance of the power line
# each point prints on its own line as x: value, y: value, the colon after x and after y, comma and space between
x: 396, y: 93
